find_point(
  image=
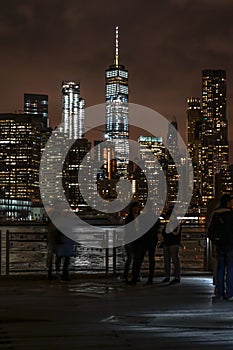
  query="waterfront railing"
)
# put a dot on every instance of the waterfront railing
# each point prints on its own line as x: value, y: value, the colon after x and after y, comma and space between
x: 24, y: 251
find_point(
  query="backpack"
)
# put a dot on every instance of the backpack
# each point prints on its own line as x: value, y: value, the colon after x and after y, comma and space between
x: 217, y: 229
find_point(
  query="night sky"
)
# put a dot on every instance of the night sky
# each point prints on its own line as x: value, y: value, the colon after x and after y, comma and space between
x: 163, y: 43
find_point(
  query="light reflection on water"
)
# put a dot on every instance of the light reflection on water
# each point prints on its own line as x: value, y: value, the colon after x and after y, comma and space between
x: 31, y: 256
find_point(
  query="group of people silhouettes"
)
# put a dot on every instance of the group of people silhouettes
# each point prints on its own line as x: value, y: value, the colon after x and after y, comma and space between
x: 61, y: 248
x: 147, y: 243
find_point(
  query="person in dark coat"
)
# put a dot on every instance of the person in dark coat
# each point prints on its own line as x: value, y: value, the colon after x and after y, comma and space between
x: 149, y: 242
x: 65, y: 250
x: 221, y: 233
x: 59, y: 246
x: 134, y: 211
x: 146, y: 243
x: 54, y: 237
x: 171, y: 251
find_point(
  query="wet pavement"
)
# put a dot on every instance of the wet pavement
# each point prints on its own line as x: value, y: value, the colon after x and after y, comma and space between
x: 103, y: 313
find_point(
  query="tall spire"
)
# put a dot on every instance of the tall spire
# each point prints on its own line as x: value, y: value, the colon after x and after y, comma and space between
x: 117, y: 48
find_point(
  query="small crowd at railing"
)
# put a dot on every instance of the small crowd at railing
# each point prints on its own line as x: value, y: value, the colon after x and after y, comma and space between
x: 220, y: 234
x: 60, y: 248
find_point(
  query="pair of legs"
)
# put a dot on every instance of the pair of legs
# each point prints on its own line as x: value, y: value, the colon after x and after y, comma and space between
x: 129, y: 259
x: 171, y: 253
x: 65, y: 268
x: 49, y: 263
x: 136, y: 253
x: 58, y: 260
x: 150, y: 248
x: 225, y: 265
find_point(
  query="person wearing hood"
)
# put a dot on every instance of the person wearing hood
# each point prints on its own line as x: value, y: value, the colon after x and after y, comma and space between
x: 220, y: 232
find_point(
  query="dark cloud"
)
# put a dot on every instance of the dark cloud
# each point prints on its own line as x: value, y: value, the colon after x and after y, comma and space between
x: 164, y: 44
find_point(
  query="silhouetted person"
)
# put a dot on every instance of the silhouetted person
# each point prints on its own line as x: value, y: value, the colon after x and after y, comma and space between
x: 134, y: 211
x: 221, y: 234
x: 171, y: 251
x: 149, y: 242
x: 54, y: 237
x: 59, y: 246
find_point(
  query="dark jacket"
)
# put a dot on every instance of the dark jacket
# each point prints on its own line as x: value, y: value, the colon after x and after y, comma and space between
x: 226, y: 216
x: 172, y: 238
x: 58, y: 243
x: 150, y: 238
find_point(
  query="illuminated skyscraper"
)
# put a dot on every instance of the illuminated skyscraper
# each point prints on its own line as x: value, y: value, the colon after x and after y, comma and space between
x: 215, y: 149
x: 149, y: 146
x: 73, y: 112
x: 20, y: 150
x: 194, y: 136
x: 116, y: 97
x: 36, y: 104
x: 171, y: 168
x: 73, y: 117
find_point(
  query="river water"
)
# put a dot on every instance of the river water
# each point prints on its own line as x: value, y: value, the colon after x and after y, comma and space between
x: 27, y: 250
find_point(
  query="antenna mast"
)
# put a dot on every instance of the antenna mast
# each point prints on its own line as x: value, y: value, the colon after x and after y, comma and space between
x: 117, y: 48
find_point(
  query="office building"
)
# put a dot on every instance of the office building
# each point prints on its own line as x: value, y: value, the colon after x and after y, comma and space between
x: 116, y: 97
x: 172, y: 176
x: 152, y: 153
x: 36, y: 104
x: 194, y: 138
x: 73, y: 110
x: 20, y: 149
x: 72, y: 165
x: 215, y: 149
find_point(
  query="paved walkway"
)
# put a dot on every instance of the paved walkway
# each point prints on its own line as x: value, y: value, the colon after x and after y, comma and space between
x: 99, y: 313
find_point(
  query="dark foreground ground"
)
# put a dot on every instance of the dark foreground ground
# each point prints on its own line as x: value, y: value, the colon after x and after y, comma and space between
x: 100, y: 313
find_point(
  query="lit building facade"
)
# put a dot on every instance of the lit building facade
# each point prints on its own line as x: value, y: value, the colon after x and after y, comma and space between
x: 73, y: 117
x: 36, y: 104
x: 116, y: 97
x: 73, y: 110
x: 172, y: 175
x: 148, y: 146
x: 194, y: 138
x: 70, y: 174
x: 20, y: 149
x: 215, y: 149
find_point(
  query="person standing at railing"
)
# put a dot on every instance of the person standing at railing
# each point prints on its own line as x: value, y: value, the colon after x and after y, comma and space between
x: 65, y: 250
x: 220, y: 232
x: 130, y: 250
x: 149, y: 241
x: 60, y: 247
x: 171, y: 248
x: 54, y: 238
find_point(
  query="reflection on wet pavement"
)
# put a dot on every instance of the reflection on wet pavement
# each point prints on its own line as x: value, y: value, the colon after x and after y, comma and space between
x: 177, y: 319
x: 178, y: 329
x: 95, y: 289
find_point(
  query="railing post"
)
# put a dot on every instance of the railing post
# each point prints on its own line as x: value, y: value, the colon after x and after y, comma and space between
x: 107, y: 254
x: 0, y: 252
x: 7, y: 252
x: 114, y: 253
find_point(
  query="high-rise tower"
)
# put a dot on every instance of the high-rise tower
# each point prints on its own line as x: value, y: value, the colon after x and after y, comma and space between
x: 194, y: 136
x: 172, y: 177
x: 215, y: 149
x: 20, y: 150
x: 72, y: 109
x: 36, y: 104
x: 116, y: 97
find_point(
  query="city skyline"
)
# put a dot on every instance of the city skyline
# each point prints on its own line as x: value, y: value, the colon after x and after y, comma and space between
x: 165, y: 48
